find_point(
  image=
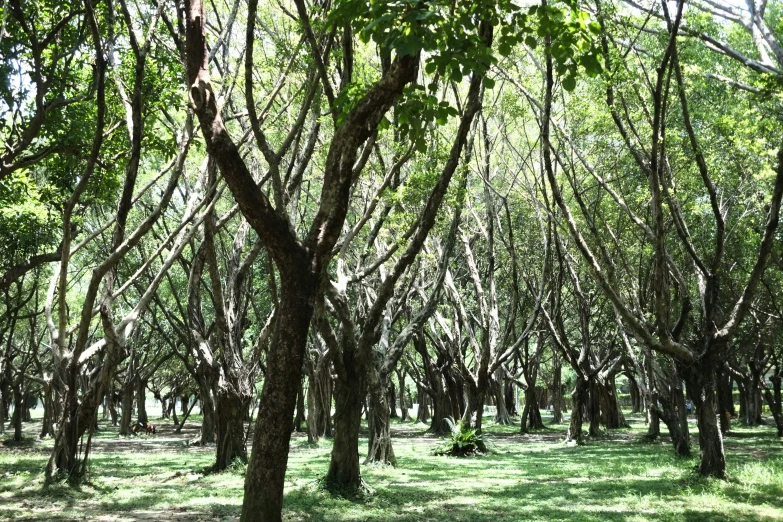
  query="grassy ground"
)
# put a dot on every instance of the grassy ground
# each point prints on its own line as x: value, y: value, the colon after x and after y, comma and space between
x: 530, y: 477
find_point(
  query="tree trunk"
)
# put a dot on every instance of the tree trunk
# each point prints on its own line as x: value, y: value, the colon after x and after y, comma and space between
x: 300, y: 409
x: 141, y: 402
x: 501, y: 413
x: 557, y: 389
x: 113, y: 399
x: 423, y: 411
x: 773, y: 401
x: 313, y: 434
x: 17, y: 417
x: 725, y: 398
x: 378, y: 421
x: 593, y: 409
x: 701, y: 381
x: 531, y: 414
x: 207, y: 404
x: 30, y: 402
x: 441, y: 405
x: 392, y: 401
x: 47, y: 424
x: 579, y: 399
x: 126, y: 417
x: 230, y: 428
x: 653, y: 418
x: 635, y: 394
x: 403, y: 396
x: 344, y: 473
x: 476, y: 396
x: 266, y: 472
x: 743, y: 400
x: 611, y: 412
x: 510, y: 399
x: 754, y: 394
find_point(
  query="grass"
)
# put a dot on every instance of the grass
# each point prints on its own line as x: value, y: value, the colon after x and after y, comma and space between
x: 530, y: 477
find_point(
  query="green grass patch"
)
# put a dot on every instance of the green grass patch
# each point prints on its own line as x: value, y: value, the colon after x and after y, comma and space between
x: 523, y: 477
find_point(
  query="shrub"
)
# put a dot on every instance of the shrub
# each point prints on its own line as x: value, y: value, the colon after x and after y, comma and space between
x: 462, y: 441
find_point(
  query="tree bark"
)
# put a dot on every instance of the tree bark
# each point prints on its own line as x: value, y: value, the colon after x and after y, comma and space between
x: 701, y: 382
x: 207, y: 404
x: 344, y: 473
x: 579, y: 398
x: 378, y: 421
x: 403, y: 396
x: 141, y: 402
x: 230, y: 428
x: 126, y: 417
x: 300, y: 409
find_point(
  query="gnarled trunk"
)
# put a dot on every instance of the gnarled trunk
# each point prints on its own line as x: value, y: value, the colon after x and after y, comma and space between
x: 701, y: 382
x: 531, y: 414
x: 344, y: 473
x: 611, y: 413
x: 378, y: 421
x: 230, y: 428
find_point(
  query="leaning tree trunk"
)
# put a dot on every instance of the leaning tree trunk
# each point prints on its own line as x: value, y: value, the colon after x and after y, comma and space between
x: 272, y: 438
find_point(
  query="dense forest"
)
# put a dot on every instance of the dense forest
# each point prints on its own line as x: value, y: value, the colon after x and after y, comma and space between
x: 313, y: 215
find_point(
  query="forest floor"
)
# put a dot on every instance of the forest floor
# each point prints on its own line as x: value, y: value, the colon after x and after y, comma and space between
x: 617, y: 476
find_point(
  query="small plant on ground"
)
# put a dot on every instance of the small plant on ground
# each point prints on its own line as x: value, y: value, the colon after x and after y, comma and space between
x: 463, y: 441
